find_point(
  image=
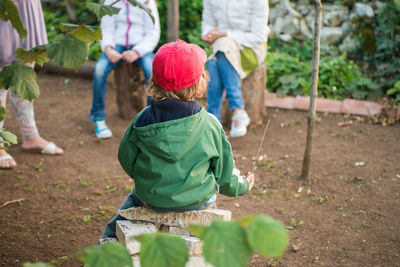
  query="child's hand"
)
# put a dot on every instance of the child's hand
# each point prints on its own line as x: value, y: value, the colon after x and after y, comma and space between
x: 112, y: 54
x: 250, y: 179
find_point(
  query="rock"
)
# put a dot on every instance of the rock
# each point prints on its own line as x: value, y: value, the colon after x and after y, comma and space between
x: 330, y: 35
x: 334, y: 15
x: 295, y: 248
x: 174, y: 230
x: 348, y: 44
x: 362, y: 10
x: 285, y: 37
x: 179, y: 219
x: 127, y: 230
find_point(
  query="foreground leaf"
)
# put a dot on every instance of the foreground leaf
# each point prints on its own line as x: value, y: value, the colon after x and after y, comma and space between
x: 37, y: 264
x: 109, y: 254
x: 102, y: 10
x: 2, y: 112
x: 21, y: 79
x: 196, y: 229
x: 163, y: 250
x: 87, y: 33
x: 8, y: 11
x: 69, y: 52
x: 267, y: 236
x: 41, y: 58
x: 140, y: 5
x: 9, y: 137
x: 225, y: 244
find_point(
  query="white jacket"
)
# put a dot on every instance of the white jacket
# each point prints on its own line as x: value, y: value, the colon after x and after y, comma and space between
x: 131, y: 26
x: 246, y: 22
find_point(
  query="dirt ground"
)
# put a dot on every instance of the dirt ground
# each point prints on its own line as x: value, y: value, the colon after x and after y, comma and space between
x: 348, y: 216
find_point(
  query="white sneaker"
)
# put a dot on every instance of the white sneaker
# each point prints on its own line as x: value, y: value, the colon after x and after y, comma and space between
x: 241, y: 128
x: 106, y: 240
x: 101, y: 129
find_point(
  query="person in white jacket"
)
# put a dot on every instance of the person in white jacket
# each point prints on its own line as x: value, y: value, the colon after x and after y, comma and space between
x: 237, y: 31
x: 129, y: 36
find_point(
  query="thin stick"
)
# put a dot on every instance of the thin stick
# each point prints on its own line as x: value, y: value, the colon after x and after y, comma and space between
x: 262, y: 140
x: 11, y: 202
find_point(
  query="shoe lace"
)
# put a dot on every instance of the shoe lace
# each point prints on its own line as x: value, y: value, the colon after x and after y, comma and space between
x: 101, y: 125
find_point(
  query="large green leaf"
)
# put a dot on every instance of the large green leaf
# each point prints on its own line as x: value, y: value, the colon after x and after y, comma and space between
x: 9, y: 137
x: 196, y: 229
x: 37, y: 264
x: 21, y: 79
x: 225, y: 244
x: 8, y: 11
x: 41, y: 58
x: 2, y: 112
x: 87, y: 33
x: 163, y: 250
x: 102, y: 10
x: 140, y: 5
x: 69, y: 52
x: 397, y: 2
x: 110, y: 254
x: 267, y: 236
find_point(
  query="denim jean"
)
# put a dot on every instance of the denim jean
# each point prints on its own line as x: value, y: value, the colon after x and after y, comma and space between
x: 223, y: 75
x: 102, y: 69
x: 133, y: 201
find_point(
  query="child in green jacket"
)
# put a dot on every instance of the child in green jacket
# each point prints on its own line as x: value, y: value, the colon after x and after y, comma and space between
x: 175, y: 151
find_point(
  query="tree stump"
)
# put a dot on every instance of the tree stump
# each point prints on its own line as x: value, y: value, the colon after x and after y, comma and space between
x: 253, y: 88
x: 131, y: 95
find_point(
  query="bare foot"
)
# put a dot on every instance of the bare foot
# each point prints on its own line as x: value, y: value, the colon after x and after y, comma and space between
x: 38, y: 143
x: 6, y: 162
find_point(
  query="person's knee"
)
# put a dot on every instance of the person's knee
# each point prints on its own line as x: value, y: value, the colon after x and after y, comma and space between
x: 100, y: 69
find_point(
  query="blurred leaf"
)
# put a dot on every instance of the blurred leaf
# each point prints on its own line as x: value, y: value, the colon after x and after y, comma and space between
x: 69, y: 52
x: 2, y: 113
x: 101, y: 10
x: 397, y: 2
x: 9, y: 137
x: 140, y: 5
x: 8, y: 11
x: 225, y: 244
x: 267, y: 236
x: 21, y: 79
x: 22, y: 54
x: 110, y: 254
x: 196, y: 229
x: 87, y: 33
x: 163, y: 250
x: 37, y: 264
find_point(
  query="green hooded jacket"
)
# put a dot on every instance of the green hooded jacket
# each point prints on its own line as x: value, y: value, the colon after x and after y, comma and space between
x: 179, y: 163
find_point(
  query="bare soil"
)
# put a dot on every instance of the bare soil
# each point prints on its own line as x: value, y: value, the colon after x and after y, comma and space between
x: 349, y: 215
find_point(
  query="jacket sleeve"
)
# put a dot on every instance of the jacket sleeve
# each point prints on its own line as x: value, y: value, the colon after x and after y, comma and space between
x: 208, y: 21
x: 259, y: 29
x: 152, y: 32
x: 127, y: 152
x: 228, y: 177
x: 107, y: 29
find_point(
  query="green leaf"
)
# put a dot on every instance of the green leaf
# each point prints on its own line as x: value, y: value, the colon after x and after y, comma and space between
x: 21, y: 79
x: 196, y: 229
x: 110, y: 254
x: 2, y: 113
x: 102, y: 10
x: 69, y: 52
x: 397, y: 2
x: 267, y: 236
x: 41, y: 58
x: 140, y: 5
x: 37, y: 264
x: 8, y: 11
x: 163, y: 250
x: 225, y: 244
x: 87, y: 33
x: 9, y: 137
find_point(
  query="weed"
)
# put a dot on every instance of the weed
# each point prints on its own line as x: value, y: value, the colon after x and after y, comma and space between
x: 38, y: 167
x: 86, y: 183
x: 110, y: 188
x: 30, y: 188
x: 319, y: 199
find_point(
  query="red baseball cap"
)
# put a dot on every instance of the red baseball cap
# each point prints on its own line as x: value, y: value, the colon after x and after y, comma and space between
x: 178, y: 65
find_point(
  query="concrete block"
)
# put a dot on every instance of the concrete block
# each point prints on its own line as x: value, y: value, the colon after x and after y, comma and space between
x: 194, y: 261
x: 302, y: 102
x: 173, y: 230
x: 179, y: 219
x: 359, y: 107
x: 127, y: 230
x: 272, y: 100
x: 329, y: 105
x: 194, y: 245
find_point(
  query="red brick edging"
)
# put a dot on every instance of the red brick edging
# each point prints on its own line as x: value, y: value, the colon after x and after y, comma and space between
x: 347, y: 106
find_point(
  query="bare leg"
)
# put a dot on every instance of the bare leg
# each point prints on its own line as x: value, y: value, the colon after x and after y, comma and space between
x: 5, y: 163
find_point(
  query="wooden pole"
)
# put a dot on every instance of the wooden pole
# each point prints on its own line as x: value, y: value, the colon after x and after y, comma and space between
x: 173, y: 20
x: 305, y: 173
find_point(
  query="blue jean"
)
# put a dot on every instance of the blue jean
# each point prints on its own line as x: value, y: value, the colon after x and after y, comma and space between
x: 133, y: 201
x: 102, y: 69
x: 223, y: 75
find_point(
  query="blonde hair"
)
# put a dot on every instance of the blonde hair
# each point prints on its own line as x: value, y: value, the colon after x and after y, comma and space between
x: 157, y: 93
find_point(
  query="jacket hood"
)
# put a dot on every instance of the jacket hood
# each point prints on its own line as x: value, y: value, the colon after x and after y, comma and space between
x: 173, y: 140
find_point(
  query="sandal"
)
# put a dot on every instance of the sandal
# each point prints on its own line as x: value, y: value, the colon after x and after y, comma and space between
x: 49, y: 149
x: 241, y: 120
x: 10, y: 159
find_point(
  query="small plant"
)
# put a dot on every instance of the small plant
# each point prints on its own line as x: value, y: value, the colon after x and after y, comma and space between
x: 394, y: 94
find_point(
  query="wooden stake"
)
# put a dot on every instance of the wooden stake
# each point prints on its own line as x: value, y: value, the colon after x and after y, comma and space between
x: 305, y: 173
x: 262, y: 140
x: 11, y: 202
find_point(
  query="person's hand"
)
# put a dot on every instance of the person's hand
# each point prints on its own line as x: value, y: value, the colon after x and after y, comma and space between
x: 112, y: 54
x: 213, y: 35
x: 250, y: 179
x: 130, y: 56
